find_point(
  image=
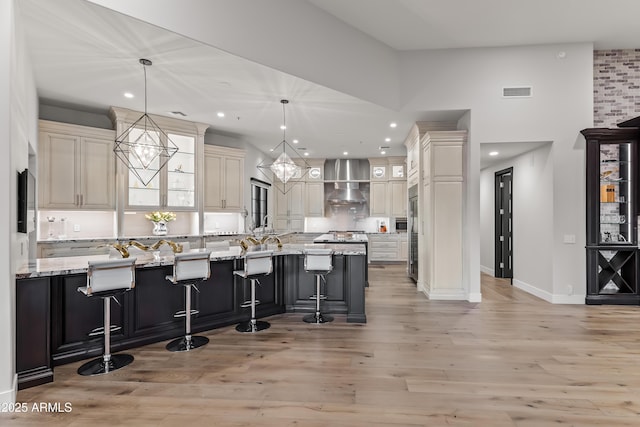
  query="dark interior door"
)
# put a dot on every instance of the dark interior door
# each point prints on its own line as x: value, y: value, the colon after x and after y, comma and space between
x: 504, y: 223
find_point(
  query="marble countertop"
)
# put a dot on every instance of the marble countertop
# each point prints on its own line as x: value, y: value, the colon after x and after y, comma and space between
x: 44, y: 267
x: 341, y: 238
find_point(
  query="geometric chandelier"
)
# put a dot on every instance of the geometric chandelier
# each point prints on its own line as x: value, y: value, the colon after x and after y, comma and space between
x: 143, y: 147
x: 289, y: 167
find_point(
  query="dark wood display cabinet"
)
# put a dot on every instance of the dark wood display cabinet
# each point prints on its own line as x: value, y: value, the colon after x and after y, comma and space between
x: 612, y: 216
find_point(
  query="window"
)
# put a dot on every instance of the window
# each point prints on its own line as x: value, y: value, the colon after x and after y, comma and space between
x: 259, y: 201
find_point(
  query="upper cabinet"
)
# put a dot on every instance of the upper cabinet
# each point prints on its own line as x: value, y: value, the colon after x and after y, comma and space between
x: 174, y: 185
x: 289, y: 208
x: 314, y: 188
x: 412, y: 142
x: 223, y: 179
x: 388, y: 190
x: 76, y: 167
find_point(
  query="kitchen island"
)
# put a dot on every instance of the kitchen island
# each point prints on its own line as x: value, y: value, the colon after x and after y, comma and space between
x: 53, y: 319
x: 348, y: 238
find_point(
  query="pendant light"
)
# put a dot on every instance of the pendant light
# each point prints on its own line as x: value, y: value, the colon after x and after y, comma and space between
x: 144, y: 147
x: 289, y: 167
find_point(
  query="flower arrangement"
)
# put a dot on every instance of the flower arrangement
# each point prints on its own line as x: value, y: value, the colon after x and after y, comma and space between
x: 160, y: 216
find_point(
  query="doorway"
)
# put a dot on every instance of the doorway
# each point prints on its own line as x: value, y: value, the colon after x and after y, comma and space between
x: 504, y: 223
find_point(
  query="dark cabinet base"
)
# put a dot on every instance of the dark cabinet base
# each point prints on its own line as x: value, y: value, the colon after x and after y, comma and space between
x: 53, y: 319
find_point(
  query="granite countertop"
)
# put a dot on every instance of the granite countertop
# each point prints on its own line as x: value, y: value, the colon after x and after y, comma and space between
x: 341, y: 238
x: 149, y: 237
x: 44, y: 267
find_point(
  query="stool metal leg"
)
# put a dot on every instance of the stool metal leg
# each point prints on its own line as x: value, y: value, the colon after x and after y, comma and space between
x: 253, y: 325
x: 188, y: 342
x: 318, y: 317
x: 107, y: 362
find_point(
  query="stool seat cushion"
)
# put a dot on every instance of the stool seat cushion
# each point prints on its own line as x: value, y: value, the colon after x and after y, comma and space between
x: 318, y: 261
x: 257, y: 263
x: 112, y: 276
x: 191, y: 266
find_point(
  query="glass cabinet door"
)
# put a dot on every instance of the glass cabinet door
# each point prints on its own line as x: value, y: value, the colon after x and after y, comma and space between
x: 615, y: 194
x: 181, y: 172
x: 174, y: 186
x: 140, y: 194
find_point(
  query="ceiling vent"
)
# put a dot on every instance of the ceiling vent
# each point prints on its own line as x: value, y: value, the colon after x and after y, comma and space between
x: 516, y: 92
x: 178, y: 113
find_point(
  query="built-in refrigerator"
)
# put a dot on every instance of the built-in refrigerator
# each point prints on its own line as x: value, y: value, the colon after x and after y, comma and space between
x: 412, y: 268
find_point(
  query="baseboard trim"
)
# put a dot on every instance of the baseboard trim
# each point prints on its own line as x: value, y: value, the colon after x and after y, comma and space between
x: 454, y: 295
x: 487, y: 270
x: 474, y: 297
x: 9, y: 396
x: 569, y: 299
x: 547, y: 296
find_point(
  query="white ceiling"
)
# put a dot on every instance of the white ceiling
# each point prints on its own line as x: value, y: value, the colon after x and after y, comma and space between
x: 445, y: 24
x: 87, y: 55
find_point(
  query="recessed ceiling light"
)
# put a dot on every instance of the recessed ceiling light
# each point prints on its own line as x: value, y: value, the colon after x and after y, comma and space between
x: 220, y: 114
x: 346, y: 153
x: 493, y: 153
x: 283, y: 127
x: 306, y: 154
x: 270, y: 149
x: 387, y: 140
x: 128, y: 95
x: 393, y: 124
x: 383, y: 152
x: 295, y: 141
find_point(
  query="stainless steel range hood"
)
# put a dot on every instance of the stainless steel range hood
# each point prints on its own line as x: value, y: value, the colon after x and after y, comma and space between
x: 347, y: 174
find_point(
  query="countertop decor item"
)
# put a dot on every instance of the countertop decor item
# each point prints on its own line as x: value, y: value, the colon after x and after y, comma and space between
x: 160, y: 220
x: 143, y: 147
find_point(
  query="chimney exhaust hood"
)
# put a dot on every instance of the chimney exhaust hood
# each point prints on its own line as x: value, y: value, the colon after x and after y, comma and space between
x: 347, y: 174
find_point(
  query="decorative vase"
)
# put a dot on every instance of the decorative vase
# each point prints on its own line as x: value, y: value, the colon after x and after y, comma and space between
x: 160, y: 228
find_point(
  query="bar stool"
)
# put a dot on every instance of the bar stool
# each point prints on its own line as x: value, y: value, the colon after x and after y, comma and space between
x: 106, y: 279
x: 256, y: 264
x: 318, y: 261
x: 189, y: 268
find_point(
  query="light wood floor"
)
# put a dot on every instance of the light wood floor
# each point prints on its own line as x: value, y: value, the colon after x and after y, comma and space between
x: 512, y: 360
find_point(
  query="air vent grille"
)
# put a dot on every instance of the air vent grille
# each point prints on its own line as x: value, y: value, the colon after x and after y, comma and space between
x: 516, y: 92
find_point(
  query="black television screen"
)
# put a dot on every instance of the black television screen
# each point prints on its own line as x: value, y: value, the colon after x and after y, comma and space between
x: 26, y: 201
x: 23, y: 190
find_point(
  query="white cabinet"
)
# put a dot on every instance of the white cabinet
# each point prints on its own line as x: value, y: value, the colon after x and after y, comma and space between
x: 399, y: 198
x: 314, y: 189
x: 315, y: 199
x: 223, y: 179
x: 76, y: 167
x: 403, y: 246
x: 174, y: 185
x: 388, y: 247
x: 378, y: 199
x: 412, y: 142
x: 289, y: 209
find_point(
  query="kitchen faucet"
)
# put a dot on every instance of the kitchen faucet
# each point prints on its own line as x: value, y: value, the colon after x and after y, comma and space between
x: 265, y: 222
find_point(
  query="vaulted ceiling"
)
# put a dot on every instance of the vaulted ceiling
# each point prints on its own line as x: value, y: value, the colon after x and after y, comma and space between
x: 86, y: 54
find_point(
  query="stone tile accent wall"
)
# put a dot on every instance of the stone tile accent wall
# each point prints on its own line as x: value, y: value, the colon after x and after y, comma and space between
x: 616, y: 86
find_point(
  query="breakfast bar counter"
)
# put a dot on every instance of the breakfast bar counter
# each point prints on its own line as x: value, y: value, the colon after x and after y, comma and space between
x: 53, y: 319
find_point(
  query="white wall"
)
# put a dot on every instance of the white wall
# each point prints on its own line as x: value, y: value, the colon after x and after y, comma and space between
x: 533, y: 221
x: 18, y: 124
x: 326, y: 50
x: 561, y: 105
